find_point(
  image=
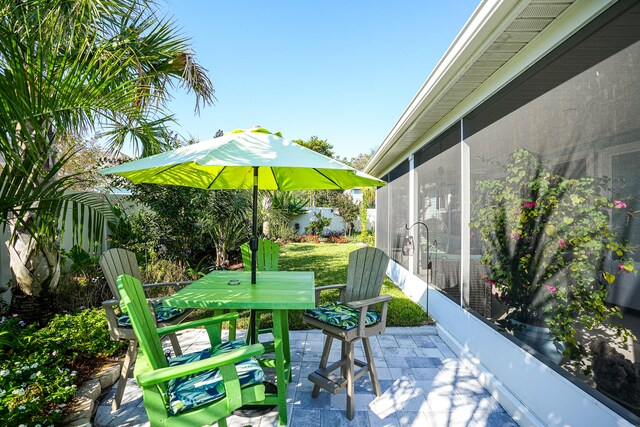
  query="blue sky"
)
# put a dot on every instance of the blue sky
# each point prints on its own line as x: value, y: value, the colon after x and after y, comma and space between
x: 342, y: 70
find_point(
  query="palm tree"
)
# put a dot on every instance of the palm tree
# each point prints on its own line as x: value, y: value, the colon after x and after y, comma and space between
x: 74, y: 67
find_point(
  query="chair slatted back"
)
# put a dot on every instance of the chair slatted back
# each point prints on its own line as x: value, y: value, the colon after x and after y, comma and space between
x: 117, y: 261
x: 133, y: 301
x: 266, y: 258
x: 366, y: 271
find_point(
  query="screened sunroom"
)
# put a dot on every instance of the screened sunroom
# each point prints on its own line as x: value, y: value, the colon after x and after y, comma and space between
x: 519, y: 161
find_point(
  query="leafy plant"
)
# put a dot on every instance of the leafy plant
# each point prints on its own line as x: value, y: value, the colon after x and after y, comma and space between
x: 317, y: 225
x: 226, y: 221
x: 278, y: 208
x: 546, y: 241
x: 347, y: 209
x: 84, y: 284
x: 81, y: 260
x: 363, y: 222
x: 40, y: 368
x: 288, y: 203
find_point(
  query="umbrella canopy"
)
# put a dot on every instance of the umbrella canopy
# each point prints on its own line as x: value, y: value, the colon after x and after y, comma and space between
x: 254, y: 159
x: 227, y: 162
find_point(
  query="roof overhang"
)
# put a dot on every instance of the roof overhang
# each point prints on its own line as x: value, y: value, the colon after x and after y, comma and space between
x: 501, y: 40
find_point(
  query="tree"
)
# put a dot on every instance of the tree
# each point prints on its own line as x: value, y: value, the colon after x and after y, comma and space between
x: 347, y: 209
x: 87, y: 154
x: 361, y: 160
x: 70, y: 68
x: 318, y: 145
x: 227, y: 221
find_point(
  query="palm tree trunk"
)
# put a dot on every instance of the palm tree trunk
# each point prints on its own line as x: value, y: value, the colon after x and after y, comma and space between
x: 35, y: 263
x: 36, y: 273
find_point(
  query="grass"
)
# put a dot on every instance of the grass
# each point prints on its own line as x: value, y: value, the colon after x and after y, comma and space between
x: 329, y: 263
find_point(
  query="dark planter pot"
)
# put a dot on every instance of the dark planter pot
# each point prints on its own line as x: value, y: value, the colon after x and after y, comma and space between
x: 541, y: 339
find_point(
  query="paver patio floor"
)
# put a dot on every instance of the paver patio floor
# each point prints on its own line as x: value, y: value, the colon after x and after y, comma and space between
x: 423, y: 384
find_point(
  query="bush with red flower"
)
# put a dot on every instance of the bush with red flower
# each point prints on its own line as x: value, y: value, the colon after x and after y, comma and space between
x: 548, y: 244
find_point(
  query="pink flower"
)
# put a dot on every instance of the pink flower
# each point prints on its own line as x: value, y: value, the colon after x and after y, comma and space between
x: 621, y: 267
x: 514, y: 236
x: 529, y: 204
x: 54, y: 353
x: 562, y: 243
x: 518, y: 212
x: 552, y: 289
x: 491, y: 283
x: 619, y: 204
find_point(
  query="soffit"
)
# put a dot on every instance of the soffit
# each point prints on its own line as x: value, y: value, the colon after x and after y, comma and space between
x: 524, y: 28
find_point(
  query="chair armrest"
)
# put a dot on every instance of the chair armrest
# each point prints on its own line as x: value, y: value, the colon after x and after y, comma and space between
x: 340, y: 286
x: 197, y: 323
x: 172, y: 284
x: 165, y: 374
x: 363, y: 306
x: 155, y: 300
x: 369, y: 302
x: 112, y: 318
x: 110, y: 303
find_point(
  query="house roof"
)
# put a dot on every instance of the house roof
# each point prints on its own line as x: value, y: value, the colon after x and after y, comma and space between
x: 500, y: 41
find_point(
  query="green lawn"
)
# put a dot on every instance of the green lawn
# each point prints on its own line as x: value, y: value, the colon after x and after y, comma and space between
x: 329, y: 262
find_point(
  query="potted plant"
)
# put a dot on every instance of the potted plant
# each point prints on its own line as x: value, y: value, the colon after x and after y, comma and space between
x: 549, y: 248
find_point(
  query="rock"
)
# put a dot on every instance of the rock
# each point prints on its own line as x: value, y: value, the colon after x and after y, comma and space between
x: 80, y: 408
x: 108, y: 375
x: 90, y: 389
x: 614, y: 374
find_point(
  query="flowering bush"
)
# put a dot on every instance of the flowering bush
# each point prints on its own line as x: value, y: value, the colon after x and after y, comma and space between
x: 547, y: 241
x: 308, y: 238
x: 39, y: 368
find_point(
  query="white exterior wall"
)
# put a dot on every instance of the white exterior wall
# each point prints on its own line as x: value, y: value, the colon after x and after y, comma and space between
x: 533, y: 393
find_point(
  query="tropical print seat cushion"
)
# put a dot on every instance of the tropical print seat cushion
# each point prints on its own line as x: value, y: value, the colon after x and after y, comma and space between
x: 341, y: 315
x: 199, y: 389
x: 162, y: 314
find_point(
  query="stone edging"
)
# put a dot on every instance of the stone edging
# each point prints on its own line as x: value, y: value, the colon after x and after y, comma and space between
x: 84, y: 402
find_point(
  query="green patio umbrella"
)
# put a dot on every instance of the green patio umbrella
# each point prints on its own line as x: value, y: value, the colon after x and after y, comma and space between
x: 253, y: 159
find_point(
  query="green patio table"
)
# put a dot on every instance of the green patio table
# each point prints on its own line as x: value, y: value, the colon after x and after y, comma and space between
x: 276, y: 291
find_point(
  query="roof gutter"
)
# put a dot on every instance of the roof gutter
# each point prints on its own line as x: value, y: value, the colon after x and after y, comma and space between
x: 488, y: 18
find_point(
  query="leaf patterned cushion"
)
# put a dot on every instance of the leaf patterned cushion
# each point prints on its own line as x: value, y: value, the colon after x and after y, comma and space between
x: 341, y: 315
x: 199, y: 389
x: 162, y: 314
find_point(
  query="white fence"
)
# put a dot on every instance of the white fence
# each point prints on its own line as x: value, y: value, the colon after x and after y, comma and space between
x: 337, y: 223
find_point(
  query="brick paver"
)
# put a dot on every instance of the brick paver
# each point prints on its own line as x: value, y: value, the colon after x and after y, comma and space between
x: 423, y: 384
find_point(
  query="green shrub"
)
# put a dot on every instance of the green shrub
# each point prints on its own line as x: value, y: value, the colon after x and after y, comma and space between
x: 39, y: 368
x: 317, y: 225
x: 84, y: 284
x: 402, y: 311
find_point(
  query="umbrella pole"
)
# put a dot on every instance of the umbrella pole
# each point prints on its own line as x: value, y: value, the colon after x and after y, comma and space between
x: 253, y: 242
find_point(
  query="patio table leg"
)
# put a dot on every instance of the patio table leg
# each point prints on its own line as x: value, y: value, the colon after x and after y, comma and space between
x: 281, y: 344
x: 285, y: 344
x: 252, y: 330
x: 215, y: 331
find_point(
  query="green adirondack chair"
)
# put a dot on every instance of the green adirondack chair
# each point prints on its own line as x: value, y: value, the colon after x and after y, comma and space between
x: 266, y: 260
x: 194, y: 389
x: 267, y: 256
x: 113, y: 263
x: 349, y: 320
